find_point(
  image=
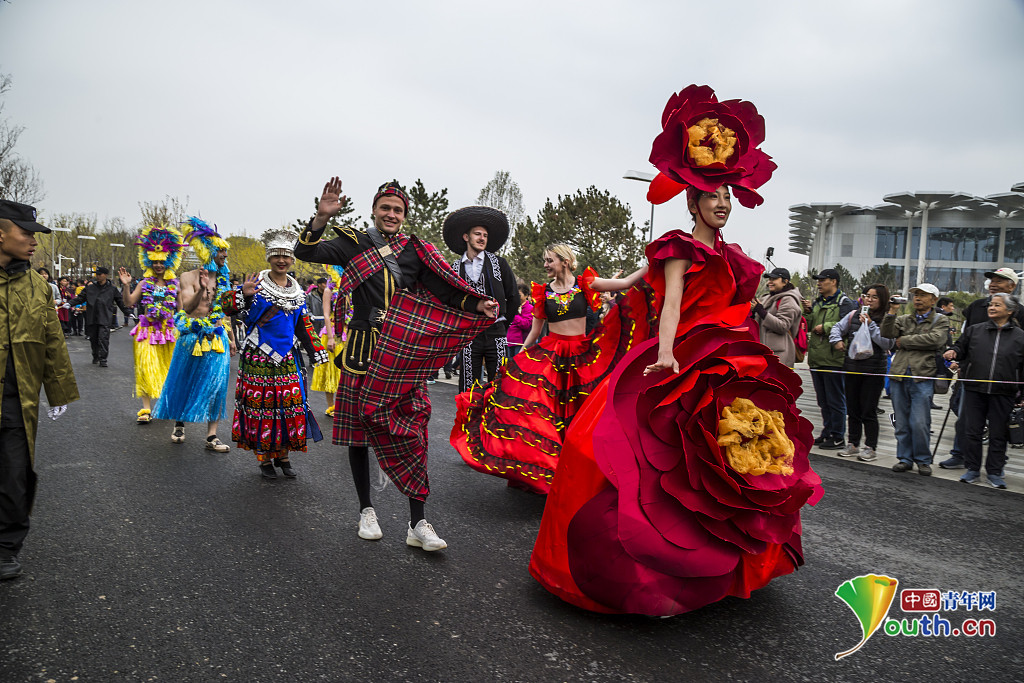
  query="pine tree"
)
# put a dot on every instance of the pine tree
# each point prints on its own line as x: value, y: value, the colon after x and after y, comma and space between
x: 427, y: 211
x: 598, y: 227
x: 882, y: 275
x: 343, y: 218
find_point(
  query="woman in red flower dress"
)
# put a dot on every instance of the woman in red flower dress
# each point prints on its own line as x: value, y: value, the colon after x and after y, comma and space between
x: 513, y: 427
x: 682, y: 476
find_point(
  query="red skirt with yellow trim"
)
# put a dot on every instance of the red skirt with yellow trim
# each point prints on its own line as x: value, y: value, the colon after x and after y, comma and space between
x: 513, y: 427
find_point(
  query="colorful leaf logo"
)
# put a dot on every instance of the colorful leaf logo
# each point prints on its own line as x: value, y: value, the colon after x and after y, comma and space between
x: 869, y: 597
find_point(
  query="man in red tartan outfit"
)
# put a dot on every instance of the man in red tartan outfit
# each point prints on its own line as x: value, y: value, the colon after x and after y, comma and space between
x: 398, y: 336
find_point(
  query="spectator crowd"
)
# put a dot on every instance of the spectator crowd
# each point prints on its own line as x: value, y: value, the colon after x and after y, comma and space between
x: 858, y: 349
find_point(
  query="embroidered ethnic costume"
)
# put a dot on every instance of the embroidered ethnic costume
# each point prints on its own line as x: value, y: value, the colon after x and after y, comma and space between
x: 514, y: 426
x: 197, y: 381
x: 491, y: 276
x: 674, y: 490
x: 271, y: 414
x: 154, y: 335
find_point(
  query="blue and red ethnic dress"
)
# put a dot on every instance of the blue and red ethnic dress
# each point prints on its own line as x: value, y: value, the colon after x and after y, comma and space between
x: 513, y: 427
x: 271, y: 412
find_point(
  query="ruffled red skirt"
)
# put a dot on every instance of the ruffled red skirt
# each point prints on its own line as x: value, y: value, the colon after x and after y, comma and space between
x: 513, y: 427
x: 645, y: 514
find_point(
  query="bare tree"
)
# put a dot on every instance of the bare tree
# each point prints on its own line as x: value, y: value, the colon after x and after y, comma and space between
x: 19, y: 180
x: 503, y: 193
x: 168, y: 212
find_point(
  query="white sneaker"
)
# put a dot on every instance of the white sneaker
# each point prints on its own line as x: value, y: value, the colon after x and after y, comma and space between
x: 424, y: 536
x: 368, y: 526
x: 867, y: 454
x: 848, y: 451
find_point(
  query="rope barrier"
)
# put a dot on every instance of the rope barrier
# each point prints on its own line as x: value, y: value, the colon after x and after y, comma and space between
x: 883, y: 374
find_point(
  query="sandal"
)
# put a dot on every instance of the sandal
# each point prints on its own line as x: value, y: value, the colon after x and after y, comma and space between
x: 143, y: 417
x: 216, y: 445
x: 178, y: 435
x: 330, y: 411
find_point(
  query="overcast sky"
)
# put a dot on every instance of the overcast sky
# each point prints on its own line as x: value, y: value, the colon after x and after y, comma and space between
x: 247, y: 107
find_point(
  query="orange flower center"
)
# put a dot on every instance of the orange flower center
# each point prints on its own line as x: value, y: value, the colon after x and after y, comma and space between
x: 710, y: 142
x: 755, y: 440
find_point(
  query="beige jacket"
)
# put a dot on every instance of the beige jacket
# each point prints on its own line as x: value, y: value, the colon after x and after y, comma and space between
x: 780, y: 322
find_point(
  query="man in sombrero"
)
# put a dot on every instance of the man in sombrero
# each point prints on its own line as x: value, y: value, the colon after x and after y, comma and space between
x: 470, y: 231
x: 410, y: 312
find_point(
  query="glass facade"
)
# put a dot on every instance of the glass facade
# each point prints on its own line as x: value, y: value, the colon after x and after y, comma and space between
x: 890, y: 242
x: 962, y: 244
x: 1014, y: 245
x: 944, y: 244
x: 956, y: 279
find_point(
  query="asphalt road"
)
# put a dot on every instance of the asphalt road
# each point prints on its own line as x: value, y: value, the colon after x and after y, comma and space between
x: 150, y: 561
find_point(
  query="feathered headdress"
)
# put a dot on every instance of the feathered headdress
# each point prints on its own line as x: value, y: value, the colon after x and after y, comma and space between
x: 158, y: 244
x: 205, y: 240
x: 334, y: 272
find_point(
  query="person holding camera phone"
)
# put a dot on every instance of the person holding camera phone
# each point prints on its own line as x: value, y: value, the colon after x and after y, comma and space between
x: 778, y: 315
x: 864, y: 390
x: 918, y: 335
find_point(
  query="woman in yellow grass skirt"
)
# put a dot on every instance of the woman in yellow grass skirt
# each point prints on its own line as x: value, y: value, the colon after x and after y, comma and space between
x: 160, y: 255
x: 327, y: 375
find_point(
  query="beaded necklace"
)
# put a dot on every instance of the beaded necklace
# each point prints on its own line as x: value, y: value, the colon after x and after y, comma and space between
x: 156, y: 324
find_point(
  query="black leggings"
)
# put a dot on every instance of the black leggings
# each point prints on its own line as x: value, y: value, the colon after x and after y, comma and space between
x: 862, y: 394
x: 359, y: 461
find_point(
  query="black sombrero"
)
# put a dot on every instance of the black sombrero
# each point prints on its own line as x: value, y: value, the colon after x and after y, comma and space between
x: 458, y: 223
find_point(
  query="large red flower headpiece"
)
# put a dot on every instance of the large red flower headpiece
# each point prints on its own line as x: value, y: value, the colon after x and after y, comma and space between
x: 706, y: 143
x: 686, y: 513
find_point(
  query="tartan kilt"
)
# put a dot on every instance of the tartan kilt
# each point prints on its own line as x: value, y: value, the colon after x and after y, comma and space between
x: 419, y: 334
x: 348, y: 429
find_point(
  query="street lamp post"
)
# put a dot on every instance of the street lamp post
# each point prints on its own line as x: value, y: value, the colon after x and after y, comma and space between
x: 53, y: 251
x: 644, y: 178
x: 61, y: 258
x: 113, y: 270
x: 81, y: 239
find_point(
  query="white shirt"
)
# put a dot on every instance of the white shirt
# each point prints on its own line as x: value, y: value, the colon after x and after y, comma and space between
x: 473, y: 266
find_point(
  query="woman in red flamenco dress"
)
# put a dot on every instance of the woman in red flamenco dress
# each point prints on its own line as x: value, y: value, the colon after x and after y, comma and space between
x: 513, y: 427
x: 682, y: 477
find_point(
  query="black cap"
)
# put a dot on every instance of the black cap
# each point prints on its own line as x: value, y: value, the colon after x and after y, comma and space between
x: 22, y: 215
x: 828, y: 274
x: 778, y: 272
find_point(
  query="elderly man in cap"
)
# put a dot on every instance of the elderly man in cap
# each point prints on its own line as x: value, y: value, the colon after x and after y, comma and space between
x: 919, y: 335
x: 470, y: 231
x: 825, y: 361
x: 34, y: 355
x: 410, y: 311
x: 1001, y: 281
x: 778, y: 314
